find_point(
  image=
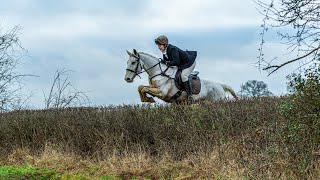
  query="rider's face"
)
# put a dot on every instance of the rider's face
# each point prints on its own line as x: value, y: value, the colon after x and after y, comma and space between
x: 161, y: 47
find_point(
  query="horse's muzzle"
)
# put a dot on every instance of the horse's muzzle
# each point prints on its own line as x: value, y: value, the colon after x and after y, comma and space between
x: 128, y: 79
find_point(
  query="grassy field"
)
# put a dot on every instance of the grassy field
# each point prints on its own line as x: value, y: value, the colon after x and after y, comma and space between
x: 29, y: 172
x: 244, y: 139
x: 25, y: 172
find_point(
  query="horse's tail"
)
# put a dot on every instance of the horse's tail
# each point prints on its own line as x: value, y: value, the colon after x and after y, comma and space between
x: 229, y: 89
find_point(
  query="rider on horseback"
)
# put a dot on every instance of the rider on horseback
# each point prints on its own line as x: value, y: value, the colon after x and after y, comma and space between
x: 173, y: 56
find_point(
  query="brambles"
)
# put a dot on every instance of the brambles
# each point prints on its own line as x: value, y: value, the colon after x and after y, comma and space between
x: 248, y: 138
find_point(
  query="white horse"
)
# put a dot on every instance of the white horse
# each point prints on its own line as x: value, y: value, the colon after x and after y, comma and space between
x: 161, y: 81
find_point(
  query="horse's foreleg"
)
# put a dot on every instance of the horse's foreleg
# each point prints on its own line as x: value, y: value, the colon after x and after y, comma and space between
x: 153, y: 91
x: 143, y: 95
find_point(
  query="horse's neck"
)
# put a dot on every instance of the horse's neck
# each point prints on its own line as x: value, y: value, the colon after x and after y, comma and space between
x: 153, y: 68
x: 150, y: 64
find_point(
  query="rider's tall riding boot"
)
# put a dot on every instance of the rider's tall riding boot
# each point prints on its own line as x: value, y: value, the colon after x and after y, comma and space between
x: 188, y: 88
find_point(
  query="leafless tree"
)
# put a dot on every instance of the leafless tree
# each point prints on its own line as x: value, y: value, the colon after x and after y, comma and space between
x: 63, y: 94
x: 298, y: 25
x: 11, y: 81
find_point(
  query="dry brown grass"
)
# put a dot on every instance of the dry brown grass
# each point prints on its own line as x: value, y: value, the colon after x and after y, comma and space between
x: 223, y: 163
x: 138, y: 165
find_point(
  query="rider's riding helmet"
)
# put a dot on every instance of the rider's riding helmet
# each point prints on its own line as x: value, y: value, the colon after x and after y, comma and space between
x: 162, y: 40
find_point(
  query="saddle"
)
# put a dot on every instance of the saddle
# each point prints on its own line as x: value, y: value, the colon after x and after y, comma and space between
x: 193, y: 77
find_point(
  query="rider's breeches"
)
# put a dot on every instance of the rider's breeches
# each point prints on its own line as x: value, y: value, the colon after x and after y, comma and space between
x: 186, y: 72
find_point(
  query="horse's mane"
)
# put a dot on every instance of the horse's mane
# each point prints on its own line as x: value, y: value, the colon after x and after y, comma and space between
x: 148, y: 55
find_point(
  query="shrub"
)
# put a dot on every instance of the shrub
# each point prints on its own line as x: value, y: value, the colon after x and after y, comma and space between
x: 302, y: 111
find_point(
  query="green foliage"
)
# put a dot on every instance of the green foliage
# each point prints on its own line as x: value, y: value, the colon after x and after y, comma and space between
x: 306, y: 90
x: 302, y: 111
x: 107, y: 178
x: 305, y: 99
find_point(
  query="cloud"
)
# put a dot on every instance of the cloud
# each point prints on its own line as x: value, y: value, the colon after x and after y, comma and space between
x: 200, y: 14
x: 72, y: 20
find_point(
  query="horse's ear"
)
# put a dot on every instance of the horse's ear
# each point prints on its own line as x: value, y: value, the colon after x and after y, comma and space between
x: 129, y: 53
x: 135, y: 52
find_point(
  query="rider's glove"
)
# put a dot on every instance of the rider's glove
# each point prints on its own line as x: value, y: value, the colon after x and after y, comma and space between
x: 164, y: 62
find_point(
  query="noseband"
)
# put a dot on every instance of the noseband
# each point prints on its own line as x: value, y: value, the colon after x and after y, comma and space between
x: 136, y: 70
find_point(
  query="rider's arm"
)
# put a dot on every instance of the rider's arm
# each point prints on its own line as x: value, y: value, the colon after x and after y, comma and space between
x: 175, y: 61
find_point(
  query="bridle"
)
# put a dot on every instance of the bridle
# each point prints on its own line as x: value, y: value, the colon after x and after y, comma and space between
x: 136, y: 70
x: 163, y: 73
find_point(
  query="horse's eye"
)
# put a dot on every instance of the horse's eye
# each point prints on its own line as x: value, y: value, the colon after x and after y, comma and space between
x: 133, y: 62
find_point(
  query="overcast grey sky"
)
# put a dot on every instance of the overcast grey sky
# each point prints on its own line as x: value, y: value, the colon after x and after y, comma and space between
x: 91, y: 38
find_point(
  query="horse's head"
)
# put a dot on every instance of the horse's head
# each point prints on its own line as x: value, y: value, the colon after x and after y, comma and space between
x: 133, y: 66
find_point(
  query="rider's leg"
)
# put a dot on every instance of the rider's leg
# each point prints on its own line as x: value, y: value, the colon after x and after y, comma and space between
x: 185, y: 79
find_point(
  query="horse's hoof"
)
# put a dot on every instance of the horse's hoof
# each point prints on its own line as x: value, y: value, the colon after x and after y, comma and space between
x: 150, y: 100
x: 191, y: 99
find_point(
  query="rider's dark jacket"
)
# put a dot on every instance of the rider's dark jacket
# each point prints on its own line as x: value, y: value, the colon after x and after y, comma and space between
x: 180, y: 58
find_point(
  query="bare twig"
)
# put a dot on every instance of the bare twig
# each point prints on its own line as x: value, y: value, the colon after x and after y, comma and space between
x: 288, y: 62
x: 11, y: 81
x: 63, y: 94
x: 301, y: 17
